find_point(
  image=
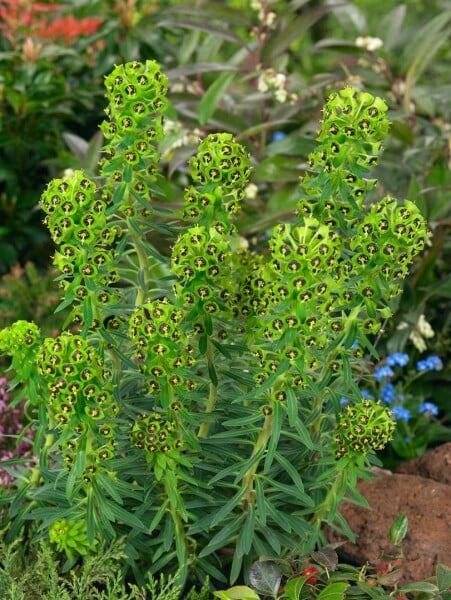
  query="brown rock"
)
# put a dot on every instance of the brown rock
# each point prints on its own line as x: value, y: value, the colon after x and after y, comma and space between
x: 428, y: 507
x: 435, y: 464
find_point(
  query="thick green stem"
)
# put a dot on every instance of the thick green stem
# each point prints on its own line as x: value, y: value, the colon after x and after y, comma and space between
x: 212, y: 396
x: 35, y: 478
x: 143, y: 260
x: 262, y: 441
x: 178, y: 512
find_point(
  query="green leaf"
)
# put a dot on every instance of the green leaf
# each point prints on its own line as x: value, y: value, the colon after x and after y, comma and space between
x: 237, y: 592
x: 222, y: 537
x: 304, y: 436
x: 212, y: 97
x: 127, y: 517
x: 294, y: 586
x: 290, y: 470
x: 212, y: 373
x: 244, y: 541
x: 265, y: 576
x: 158, y: 516
x: 443, y: 575
x: 207, y: 27
x: 390, y: 26
x: 278, y: 417
x: 398, y: 530
x: 228, y: 507
x: 334, y: 591
x: 281, y: 40
x: 422, y: 50
x: 419, y: 586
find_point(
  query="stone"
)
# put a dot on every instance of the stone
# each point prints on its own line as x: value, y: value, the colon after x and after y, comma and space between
x: 435, y: 464
x: 426, y: 502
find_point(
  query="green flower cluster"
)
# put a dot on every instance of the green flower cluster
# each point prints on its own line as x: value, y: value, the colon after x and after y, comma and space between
x: 353, y: 128
x: 161, y: 349
x: 71, y: 537
x: 199, y: 260
x: 21, y: 341
x: 159, y: 438
x: 202, y: 256
x: 222, y: 168
x: 364, y: 427
x: 332, y: 272
x: 136, y: 94
x: 80, y: 399
x: 76, y: 219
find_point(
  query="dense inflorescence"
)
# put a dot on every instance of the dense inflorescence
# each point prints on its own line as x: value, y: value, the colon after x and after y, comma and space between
x: 161, y: 348
x: 364, y: 427
x: 77, y: 221
x: 331, y: 274
x: 136, y: 94
x: 80, y: 400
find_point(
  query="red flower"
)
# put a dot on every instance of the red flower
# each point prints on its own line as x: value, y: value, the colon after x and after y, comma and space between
x: 310, y: 571
x: 24, y: 17
x: 68, y: 28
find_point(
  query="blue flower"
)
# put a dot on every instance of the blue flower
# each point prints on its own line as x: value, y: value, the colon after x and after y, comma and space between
x: 431, y: 363
x: 344, y: 401
x: 397, y: 359
x: 429, y: 409
x: 383, y: 372
x: 366, y: 394
x: 400, y: 413
x: 387, y: 393
x: 278, y: 136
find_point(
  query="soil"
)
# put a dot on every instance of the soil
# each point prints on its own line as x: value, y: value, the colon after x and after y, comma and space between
x: 421, y: 488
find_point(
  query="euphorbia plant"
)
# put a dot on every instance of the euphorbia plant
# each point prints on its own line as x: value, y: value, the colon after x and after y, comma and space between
x: 193, y: 403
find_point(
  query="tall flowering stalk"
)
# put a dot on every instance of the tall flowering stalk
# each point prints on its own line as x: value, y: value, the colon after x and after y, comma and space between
x: 195, y: 408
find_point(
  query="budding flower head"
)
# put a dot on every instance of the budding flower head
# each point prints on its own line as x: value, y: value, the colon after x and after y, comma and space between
x: 363, y: 428
x: 222, y: 161
x: 275, y: 82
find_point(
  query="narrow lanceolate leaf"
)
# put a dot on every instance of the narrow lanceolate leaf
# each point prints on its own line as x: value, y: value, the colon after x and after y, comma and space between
x: 228, y: 507
x: 223, y: 537
x: 244, y: 541
x: 212, y: 28
x: 213, y: 96
x: 281, y: 40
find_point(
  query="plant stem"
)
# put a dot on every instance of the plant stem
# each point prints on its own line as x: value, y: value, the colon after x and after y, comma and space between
x: 262, y: 440
x: 212, y: 396
x: 143, y: 260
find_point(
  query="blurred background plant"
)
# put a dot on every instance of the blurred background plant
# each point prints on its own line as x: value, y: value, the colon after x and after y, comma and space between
x: 31, y: 295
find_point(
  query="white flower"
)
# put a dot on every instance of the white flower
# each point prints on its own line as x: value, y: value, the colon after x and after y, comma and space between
x: 250, y: 191
x: 281, y: 95
x: 261, y: 84
x: 369, y: 43
x: 417, y: 340
x: 243, y: 244
x: 271, y: 80
x: 256, y: 5
x: 424, y: 327
x: 270, y: 19
x: 421, y: 330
